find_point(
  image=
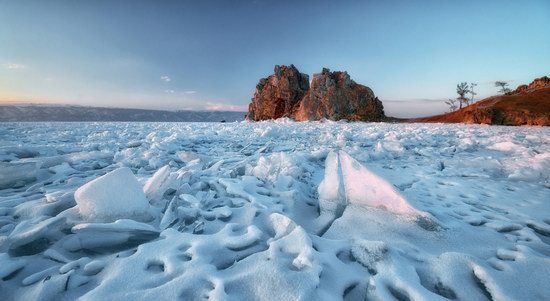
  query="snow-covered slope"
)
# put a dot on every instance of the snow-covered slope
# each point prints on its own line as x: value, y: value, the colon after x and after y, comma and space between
x: 273, y: 211
x: 17, y: 113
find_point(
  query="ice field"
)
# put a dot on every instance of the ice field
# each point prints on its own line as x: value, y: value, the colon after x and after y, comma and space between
x: 274, y: 211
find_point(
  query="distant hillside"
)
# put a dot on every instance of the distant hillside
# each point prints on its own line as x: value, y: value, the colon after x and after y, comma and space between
x: 527, y: 105
x: 78, y: 113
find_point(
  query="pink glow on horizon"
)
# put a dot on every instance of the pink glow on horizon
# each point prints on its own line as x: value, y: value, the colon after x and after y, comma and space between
x: 226, y: 107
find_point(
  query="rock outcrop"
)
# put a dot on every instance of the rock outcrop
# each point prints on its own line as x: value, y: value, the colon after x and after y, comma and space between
x: 333, y: 95
x: 277, y: 95
x: 538, y: 83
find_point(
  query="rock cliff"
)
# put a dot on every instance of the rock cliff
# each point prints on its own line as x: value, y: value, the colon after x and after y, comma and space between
x: 332, y: 95
x: 277, y: 95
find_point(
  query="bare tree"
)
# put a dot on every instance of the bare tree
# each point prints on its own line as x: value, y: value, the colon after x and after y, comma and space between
x: 472, y: 93
x: 452, y: 104
x: 462, y: 89
x: 503, y: 85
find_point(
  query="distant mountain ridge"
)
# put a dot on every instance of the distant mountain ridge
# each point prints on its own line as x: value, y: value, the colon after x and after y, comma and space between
x: 33, y: 113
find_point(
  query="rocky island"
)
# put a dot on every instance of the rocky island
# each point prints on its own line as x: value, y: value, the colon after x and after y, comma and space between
x: 332, y: 95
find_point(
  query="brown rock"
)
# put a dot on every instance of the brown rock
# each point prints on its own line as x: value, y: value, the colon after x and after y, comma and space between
x: 538, y: 83
x: 483, y: 115
x: 333, y: 95
x: 277, y: 95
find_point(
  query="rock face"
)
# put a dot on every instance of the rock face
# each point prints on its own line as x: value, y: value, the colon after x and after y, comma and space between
x: 538, y: 83
x: 333, y: 95
x: 277, y: 95
x: 500, y: 116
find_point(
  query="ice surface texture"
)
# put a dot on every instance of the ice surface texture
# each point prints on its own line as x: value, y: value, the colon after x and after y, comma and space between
x: 17, y: 174
x: 274, y: 211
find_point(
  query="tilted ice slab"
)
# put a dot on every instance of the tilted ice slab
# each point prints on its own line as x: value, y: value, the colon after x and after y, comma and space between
x: 332, y: 199
x: 363, y: 187
x: 115, y: 195
x: 346, y: 181
x: 158, y: 184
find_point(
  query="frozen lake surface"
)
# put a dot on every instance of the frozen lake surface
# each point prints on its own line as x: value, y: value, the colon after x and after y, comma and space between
x: 274, y: 211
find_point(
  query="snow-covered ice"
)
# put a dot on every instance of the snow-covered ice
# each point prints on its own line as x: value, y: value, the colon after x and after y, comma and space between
x: 115, y: 195
x: 274, y: 211
x: 17, y: 174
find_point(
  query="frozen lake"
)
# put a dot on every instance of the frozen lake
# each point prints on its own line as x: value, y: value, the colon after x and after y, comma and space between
x: 274, y: 211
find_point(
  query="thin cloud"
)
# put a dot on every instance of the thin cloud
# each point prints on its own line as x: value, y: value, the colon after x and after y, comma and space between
x: 190, y: 92
x: 165, y: 78
x: 169, y: 91
x: 226, y: 107
x: 14, y: 66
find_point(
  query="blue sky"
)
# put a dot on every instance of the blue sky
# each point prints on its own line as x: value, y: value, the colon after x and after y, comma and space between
x: 211, y: 54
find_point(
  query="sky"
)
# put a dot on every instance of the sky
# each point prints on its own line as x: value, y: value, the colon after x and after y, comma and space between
x: 210, y: 54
